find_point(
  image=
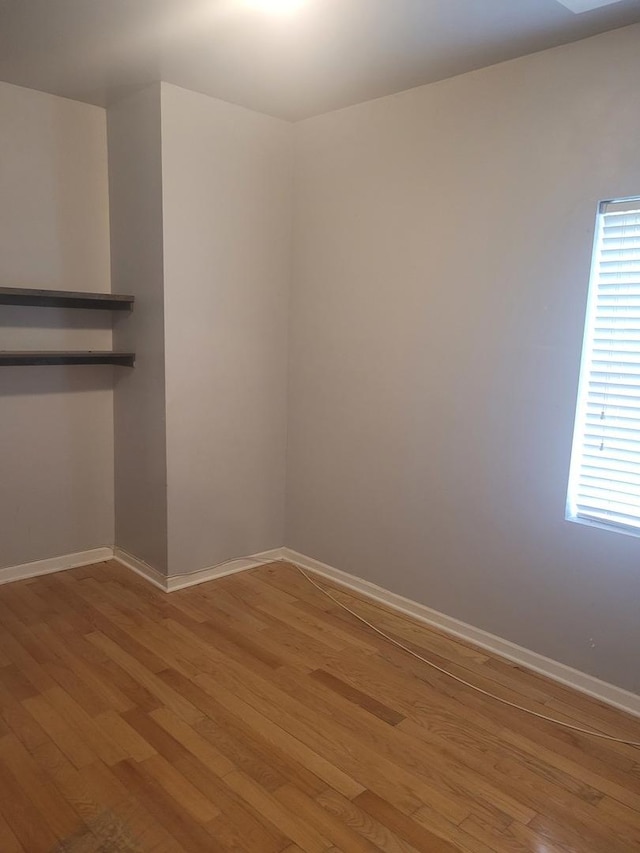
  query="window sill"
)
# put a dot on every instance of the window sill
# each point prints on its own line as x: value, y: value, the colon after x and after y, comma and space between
x: 603, y: 525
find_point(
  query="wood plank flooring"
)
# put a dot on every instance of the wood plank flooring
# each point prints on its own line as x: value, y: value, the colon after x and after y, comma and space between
x: 252, y: 714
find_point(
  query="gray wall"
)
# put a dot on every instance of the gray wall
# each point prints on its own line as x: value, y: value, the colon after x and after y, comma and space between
x: 442, y: 249
x: 135, y: 187
x: 227, y: 253
x: 56, y: 423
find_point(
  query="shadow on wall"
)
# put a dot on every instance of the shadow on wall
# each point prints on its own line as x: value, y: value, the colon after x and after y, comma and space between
x: 21, y: 317
x: 55, y: 379
x: 52, y: 329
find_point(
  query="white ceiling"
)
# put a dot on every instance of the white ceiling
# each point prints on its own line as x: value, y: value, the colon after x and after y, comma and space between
x: 578, y: 6
x: 326, y: 54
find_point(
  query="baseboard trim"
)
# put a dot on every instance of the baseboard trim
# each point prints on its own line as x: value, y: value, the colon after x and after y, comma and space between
x: 55, y: 564
x: 173, y: 583
x: 231, y: 567
x: 140, y: 568
x: 619, y: 698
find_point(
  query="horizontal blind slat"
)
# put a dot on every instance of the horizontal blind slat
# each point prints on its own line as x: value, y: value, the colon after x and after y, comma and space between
x: 625, y: 522
x: 620, y: 478
x: 628, y: 508
x: 607, y: 466
x: 603, y: 492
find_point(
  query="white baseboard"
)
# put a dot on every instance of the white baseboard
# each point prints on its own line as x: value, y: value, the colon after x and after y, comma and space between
x: 176, y: 582
x: 222, y: 569
x: 228, y: 568
x: 55, y: 564
x: 588, y: 684
x: 594, y: 687
x: 141, y: 568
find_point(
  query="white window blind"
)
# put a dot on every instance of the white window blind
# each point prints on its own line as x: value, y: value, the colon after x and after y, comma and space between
x: 604, y: 483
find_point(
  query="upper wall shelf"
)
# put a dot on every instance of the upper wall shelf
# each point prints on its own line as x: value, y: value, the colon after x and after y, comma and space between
x: 64, y: 299
x: 19, y: 359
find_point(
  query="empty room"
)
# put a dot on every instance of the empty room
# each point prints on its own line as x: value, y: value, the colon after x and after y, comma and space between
x: 320, y: 426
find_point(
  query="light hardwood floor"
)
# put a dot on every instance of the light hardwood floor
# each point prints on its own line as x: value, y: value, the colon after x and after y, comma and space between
x: 251, y: 714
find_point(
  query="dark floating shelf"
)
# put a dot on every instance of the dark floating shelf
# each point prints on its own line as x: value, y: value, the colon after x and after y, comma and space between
x: 19, y: 359
x: 65, y: 299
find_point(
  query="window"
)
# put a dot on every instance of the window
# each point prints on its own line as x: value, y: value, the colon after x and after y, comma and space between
x: 604, y: 482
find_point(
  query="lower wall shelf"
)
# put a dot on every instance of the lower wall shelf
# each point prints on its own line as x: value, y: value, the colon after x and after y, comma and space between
x: 19, y: 359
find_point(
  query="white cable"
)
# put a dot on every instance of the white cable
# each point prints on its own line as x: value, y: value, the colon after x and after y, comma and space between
x: 457, y: 678
x: 256, y: 565
x: 425, y: 660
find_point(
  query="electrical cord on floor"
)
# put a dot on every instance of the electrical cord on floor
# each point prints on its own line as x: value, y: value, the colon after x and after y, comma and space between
x: 456, y: 677
x: 424, y: 660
